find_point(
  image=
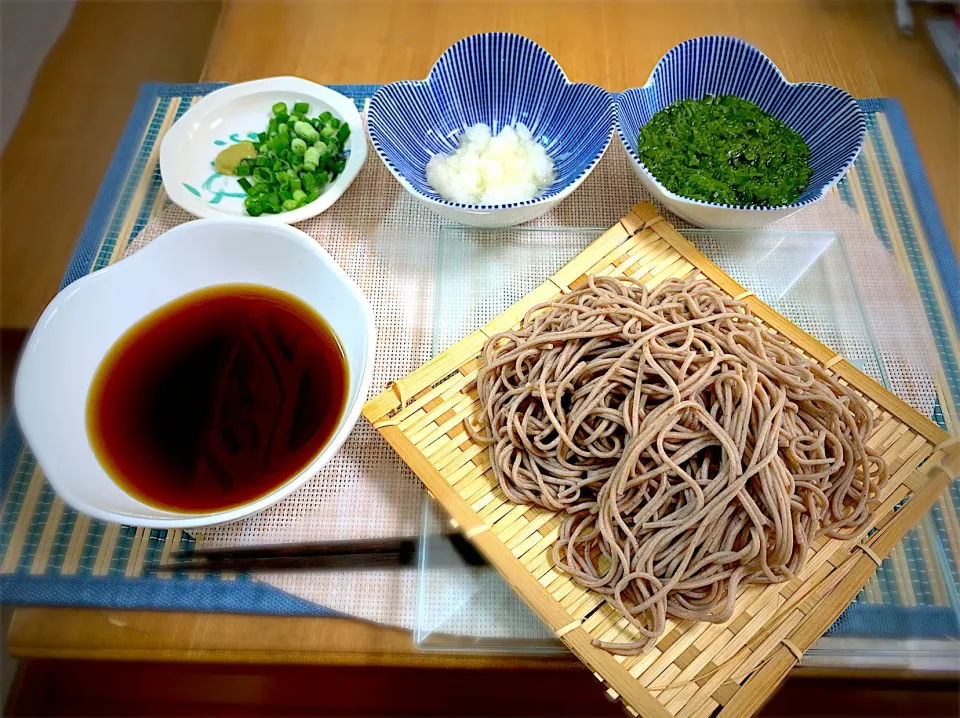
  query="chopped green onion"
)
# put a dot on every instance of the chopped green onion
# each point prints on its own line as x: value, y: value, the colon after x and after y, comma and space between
x: 306, y: 131
x: 253, y: 206
x: 297, y: 156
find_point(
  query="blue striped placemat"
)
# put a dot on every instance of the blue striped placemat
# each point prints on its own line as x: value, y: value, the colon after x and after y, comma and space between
x: 51, y: 555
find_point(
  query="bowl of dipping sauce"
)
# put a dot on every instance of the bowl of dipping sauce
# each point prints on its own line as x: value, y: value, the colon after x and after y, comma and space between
x: 202, y: 379
x: 495, y: 136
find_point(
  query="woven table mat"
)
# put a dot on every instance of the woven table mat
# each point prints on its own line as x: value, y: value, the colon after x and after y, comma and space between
x: 387, y: 242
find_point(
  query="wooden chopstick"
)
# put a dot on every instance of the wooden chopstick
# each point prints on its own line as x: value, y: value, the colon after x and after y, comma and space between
x: 298, y: 563
x: 366, y: 553
x: 293, y: 550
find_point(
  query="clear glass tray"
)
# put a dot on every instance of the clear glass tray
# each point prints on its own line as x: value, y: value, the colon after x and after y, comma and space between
x: 806, y: 276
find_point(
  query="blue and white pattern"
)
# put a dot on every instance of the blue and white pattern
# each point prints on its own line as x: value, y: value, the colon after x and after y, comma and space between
x: 828, y: 119
x: 499, y: 79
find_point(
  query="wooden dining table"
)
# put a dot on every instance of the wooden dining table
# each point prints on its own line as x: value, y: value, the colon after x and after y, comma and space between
x: 856, y: 46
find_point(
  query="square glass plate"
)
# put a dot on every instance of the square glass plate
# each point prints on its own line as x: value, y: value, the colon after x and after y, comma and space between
x: 806, y: 276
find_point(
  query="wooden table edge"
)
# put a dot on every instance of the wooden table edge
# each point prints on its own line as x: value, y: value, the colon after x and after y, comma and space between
x: 68, y: 633
x: 110, y: 634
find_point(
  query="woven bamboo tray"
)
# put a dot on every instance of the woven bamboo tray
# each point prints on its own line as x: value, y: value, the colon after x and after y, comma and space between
x: 696, y: 669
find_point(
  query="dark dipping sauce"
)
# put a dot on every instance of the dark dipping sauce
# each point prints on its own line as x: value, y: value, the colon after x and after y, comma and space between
x: 217, y: 398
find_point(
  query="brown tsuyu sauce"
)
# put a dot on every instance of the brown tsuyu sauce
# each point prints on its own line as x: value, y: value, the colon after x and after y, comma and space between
x: 217, y: 398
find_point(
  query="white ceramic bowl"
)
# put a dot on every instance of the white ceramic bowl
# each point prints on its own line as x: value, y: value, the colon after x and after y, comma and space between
x: 231, y: 115
x: 82, y: 322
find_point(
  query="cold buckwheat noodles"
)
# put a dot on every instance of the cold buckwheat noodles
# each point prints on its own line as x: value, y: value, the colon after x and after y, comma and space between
x: 694, y: 449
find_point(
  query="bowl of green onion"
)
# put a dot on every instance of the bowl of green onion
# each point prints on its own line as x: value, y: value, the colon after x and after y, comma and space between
x: 282, y: 150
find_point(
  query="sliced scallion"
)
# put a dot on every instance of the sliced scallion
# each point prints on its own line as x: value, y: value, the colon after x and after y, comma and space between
x: 297, y: 156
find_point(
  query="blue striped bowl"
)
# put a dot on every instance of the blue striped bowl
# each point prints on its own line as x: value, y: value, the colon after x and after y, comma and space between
x: 499, y: 79
x: 827, y: 118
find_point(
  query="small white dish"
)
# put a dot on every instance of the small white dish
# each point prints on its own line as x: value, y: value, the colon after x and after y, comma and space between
x: 233, y: 114
x: 83, y: 322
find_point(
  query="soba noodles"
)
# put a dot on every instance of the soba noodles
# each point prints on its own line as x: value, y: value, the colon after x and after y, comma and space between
x: 694, y: 449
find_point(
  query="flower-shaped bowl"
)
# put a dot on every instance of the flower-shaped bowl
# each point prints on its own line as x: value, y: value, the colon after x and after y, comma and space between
x: 498, y: 79
x: 828, y: 119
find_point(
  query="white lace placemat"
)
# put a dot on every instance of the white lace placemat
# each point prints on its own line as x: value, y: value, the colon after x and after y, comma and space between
x: 387, y: 242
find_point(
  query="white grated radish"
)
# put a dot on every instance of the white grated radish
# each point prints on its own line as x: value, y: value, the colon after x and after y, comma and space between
x: 489, y: 170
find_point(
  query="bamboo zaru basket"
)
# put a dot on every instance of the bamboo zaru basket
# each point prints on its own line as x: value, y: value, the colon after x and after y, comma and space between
x: 696, y: 668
